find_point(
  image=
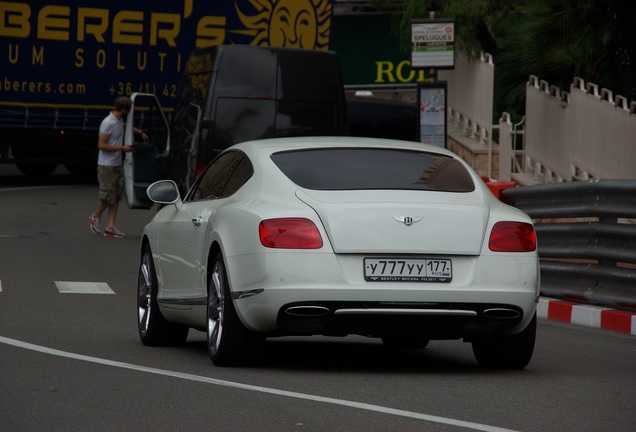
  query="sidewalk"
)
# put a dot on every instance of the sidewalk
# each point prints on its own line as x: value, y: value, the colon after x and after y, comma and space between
x: 590, y: 316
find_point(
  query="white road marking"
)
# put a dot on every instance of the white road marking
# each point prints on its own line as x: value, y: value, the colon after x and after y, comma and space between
x: 254, y: 388
x: 83, y: 288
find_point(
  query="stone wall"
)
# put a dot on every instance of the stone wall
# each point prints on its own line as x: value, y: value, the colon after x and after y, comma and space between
x: 473, y: 152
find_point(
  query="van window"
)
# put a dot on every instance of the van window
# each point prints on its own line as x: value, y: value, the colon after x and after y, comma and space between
x: 148, y: 117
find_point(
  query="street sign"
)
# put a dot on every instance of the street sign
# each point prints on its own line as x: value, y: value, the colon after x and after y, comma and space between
x: 433, y: 44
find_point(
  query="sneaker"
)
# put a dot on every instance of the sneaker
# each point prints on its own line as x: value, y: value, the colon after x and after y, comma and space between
x: 113, y: 232
x: 93, y: 223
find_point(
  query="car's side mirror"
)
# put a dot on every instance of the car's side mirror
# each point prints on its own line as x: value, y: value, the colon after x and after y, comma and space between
x: 163, y: 192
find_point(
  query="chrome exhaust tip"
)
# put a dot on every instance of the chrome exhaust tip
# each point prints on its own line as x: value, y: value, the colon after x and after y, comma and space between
x: 501, y: 314
x: 307, y: 311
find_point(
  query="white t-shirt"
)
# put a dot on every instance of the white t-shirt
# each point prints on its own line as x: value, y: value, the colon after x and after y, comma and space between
x: 114, y: 128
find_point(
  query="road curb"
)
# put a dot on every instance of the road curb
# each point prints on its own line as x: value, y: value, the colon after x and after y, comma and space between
x: 589, y: 316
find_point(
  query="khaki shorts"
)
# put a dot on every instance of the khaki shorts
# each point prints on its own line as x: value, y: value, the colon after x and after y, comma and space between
x: 111, y: 183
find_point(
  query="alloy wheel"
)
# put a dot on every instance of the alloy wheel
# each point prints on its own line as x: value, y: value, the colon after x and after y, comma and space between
x: 144, y: 293
x: 216, y: 300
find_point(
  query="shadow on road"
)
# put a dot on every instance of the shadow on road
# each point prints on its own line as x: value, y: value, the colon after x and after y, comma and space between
x: 352, y: 355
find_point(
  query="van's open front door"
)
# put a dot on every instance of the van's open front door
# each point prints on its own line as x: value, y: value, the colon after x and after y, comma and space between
x: 148, y: 161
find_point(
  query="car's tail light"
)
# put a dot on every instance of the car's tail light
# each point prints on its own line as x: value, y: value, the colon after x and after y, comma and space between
x: 512, y: 237
x: 289, y: 233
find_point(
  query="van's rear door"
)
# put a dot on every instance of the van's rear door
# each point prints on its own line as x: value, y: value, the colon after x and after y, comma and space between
x: 148, y: 161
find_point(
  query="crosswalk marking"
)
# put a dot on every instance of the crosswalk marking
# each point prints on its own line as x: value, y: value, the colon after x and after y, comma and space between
x: 83, y: 288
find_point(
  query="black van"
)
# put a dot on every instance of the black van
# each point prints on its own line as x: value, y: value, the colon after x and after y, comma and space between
x: 229, y: 94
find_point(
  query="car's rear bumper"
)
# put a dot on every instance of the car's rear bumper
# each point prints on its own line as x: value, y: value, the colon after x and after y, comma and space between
x: 381, y: 319
x: 427, y: 313
x: 322, y: 294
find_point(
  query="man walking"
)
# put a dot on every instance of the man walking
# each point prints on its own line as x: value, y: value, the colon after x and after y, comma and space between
x: 110, y: 174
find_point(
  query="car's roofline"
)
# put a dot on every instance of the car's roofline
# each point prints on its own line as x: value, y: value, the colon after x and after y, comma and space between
x: 273, y: 145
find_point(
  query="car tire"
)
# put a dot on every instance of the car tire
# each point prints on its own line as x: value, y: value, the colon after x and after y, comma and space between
x: 507, y: 352
x: 229, y: 342
x: 398, y: 342
x: 154, y: 329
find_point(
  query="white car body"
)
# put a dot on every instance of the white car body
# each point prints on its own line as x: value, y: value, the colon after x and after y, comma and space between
x: 279, y: 291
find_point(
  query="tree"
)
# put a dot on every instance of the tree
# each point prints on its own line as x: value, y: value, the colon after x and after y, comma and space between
x: 554, y: 40
x: 623, y: 55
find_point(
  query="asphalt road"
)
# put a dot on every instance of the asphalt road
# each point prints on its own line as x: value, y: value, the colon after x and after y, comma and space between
x: 72, y: 361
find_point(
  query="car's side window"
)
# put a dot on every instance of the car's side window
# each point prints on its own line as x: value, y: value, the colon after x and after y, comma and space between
x: 223, y: 177
x: 239, y: 177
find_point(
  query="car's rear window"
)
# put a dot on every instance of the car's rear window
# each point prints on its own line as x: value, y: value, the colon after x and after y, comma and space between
x: 364, y: 168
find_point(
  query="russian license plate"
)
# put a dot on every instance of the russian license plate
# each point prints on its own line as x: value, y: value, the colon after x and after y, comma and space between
x: 408, y: 270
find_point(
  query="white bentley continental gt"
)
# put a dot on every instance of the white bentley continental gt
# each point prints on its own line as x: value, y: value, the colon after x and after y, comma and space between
x: 334, y: 236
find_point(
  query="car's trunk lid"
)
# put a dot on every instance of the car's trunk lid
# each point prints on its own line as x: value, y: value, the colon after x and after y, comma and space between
x: 400, y: 222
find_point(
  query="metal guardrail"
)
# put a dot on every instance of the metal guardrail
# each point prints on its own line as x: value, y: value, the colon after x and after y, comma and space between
x: 587, y: 249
